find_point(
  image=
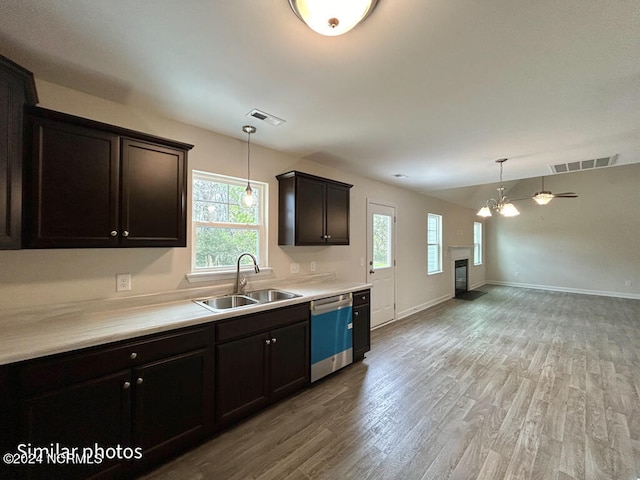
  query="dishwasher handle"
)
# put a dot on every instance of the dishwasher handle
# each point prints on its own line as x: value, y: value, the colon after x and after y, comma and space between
x: 331, y: 303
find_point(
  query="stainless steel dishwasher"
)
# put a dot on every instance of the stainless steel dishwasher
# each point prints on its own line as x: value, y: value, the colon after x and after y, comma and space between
x: 331, y: 334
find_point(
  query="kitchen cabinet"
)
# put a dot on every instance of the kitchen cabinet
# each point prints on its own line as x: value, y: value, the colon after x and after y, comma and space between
x: 89, y: 184
x: 361, y: 324
x: 312, y: 210
x: 17, y: 88
x: 155, y: 394
x: 260, y: 359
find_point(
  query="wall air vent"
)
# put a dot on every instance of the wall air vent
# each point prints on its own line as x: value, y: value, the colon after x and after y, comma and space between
x: 584, y: 164
x: 265, y: 117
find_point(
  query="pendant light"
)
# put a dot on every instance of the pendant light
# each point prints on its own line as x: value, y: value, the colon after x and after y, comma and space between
x: 247, y: 198
x: 332, y: 17
x: 503, y: 206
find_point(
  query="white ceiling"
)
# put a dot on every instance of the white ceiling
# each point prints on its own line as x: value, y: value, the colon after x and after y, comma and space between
x: 434, y: 89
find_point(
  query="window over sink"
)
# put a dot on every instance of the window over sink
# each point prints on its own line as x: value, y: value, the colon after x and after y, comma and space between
x: 222, y: 226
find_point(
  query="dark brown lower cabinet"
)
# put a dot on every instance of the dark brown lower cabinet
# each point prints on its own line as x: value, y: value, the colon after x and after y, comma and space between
x: 261, y: 366
x: 146, y: 399
x: 94, y: 412
x: 361, y: 324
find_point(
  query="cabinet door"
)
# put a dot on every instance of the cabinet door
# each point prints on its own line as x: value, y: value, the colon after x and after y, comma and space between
x: 241, y: 378
x: 73, y: 183
x: 337, y: 215
x: 11, y: 101
x: 153, y: 195
x: 288, y: 359
x: 361, y: 331
x: 82, y: 415
x: 310, y: 211
x: 173, y: 402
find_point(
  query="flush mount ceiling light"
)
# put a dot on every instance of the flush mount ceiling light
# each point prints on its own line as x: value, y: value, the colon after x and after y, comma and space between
x: 247, y: 198
x: 332, y: 17
x: 503, y: 206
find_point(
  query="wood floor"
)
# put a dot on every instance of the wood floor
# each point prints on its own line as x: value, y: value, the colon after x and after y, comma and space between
x: 518, y: 384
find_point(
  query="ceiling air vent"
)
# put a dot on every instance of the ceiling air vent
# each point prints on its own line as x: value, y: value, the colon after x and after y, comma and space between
x: 584, y: 164
x: 265, y: 117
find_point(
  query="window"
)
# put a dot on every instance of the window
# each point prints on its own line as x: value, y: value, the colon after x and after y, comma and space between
x: 382, y: 234
x: 434, y: 243
x: 223, y: 227
x: 477, y: 243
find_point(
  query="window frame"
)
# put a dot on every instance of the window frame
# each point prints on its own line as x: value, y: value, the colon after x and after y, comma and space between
x: 438, y: 243
x: 262, y: 190
x: 478, y: 244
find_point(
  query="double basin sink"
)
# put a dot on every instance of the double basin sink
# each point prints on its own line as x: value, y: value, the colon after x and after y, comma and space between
x: 256, y: 297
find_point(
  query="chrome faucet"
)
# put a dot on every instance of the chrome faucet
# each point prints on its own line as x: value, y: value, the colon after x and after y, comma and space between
x: 240, y: 284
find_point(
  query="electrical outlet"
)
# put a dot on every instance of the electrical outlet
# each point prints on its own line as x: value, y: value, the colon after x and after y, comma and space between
x: 294, y: 268
x: 516, y: 274
x: 628, y: 283
x: 312, y: 267
x: 123, y: 282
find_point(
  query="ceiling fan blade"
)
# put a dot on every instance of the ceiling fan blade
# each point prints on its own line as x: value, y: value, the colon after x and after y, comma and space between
x: 566, y: 195
x: 519, y: 199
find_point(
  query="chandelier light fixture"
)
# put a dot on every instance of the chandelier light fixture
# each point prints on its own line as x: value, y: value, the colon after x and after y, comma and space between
x: 247, y: 198
x: 332, y: 17
x: 502, y: 205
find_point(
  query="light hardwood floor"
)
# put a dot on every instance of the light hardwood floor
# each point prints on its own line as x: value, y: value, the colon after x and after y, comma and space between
x: 518, y: 384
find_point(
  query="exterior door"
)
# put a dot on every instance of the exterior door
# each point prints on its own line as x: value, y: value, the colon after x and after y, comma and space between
x: 381, y: 259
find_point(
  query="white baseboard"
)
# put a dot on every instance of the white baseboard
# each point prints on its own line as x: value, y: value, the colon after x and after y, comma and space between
x: 421, y: 307
x: 582, y: 291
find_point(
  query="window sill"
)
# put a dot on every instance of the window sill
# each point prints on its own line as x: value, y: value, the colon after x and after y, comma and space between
x: 435, y: 273
x: 199, y: 277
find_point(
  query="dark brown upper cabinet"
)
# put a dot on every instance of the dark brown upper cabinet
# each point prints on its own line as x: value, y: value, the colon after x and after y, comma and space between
x: 90, y: 184
x: 17, y: 88
x: 312, y: 210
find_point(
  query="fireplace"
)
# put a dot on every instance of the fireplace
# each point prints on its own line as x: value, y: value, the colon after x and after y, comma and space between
x: 461, y: 276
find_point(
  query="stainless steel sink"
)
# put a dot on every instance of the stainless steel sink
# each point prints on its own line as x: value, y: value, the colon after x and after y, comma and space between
x: 256, y: 297
x: 271, y: 295
x: 227, y: 302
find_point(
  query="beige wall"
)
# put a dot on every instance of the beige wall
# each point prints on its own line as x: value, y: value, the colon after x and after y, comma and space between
x: 589, y: 244
x: 39, y: 277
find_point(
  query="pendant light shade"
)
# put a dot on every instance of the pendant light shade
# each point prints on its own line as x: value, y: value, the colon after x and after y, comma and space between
x: 247, y: 198
x: 332, y: 17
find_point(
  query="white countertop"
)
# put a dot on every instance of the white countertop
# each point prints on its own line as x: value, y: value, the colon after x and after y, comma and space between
x: 33, y: 333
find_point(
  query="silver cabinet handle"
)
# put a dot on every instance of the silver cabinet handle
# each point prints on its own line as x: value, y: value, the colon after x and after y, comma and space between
x: 364, y: 297
x: 125, y: 234
x: 328, y: 236
x: 268, y: 342
x: 139, y: 381
x: 126, y: 385
x: 114, y: 233
x: 133, y: 356
x: 355, y: 314
x: 274, y: 340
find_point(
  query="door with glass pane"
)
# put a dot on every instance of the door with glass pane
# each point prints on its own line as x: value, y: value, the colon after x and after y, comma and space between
x: 381, y: 261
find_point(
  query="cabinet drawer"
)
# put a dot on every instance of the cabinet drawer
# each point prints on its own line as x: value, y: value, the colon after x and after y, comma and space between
x: 53, y: 372
x: 360, y: 298
x: 261, y: 322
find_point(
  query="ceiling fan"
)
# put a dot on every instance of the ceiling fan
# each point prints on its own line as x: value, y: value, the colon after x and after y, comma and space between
x: 543, y: 197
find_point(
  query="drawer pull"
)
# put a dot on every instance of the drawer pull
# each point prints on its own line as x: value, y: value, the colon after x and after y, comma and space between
x: 139, y: 381
x: 274, y: 340
x: 126, y: 385
x: 133, y: 356
x: 355, y: 314
x: 268, y: 342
